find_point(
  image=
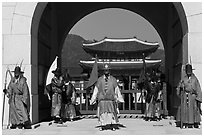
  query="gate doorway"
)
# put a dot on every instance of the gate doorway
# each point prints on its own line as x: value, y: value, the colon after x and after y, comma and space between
x: 58, y: 18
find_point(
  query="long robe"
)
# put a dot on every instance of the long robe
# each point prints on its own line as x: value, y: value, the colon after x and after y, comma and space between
x: 57, y: 85
x: 164, y: 99
x: 108, y: 95
x: 19, y: 101
x: 189, y: 91
x: 152, y: 103
x: 69, y: 99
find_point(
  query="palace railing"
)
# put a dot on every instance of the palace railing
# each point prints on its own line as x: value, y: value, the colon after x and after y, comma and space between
x: 134, y: 102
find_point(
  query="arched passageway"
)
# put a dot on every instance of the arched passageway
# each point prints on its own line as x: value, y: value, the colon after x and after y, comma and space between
x: 55, y: 20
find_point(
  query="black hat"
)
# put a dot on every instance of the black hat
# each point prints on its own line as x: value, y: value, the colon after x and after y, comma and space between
x: 57, y: 71
x: 17, y: 70
x: 188, y: 68
x: 67, y: 76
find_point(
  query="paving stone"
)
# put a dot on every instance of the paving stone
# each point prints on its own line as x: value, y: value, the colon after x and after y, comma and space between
x: 127, y: 126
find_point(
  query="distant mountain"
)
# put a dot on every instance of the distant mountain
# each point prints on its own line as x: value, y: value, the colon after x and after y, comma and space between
x: 72, y: 52
x: 159, y: 54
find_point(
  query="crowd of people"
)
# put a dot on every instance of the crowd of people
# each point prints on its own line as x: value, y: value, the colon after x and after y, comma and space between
x: 152, y: 87
x: 188, y: 90
x: 107, y: 94
x: 63, y: 96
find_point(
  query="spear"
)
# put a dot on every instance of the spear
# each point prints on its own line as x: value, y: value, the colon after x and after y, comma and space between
x: 181, y: 106
x: 21, y: 63
x: 144, y: 80
x: 5, y: 91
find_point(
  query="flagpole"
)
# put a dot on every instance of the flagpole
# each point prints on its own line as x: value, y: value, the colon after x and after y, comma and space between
x: 5, y: 84
x: 144, y: 72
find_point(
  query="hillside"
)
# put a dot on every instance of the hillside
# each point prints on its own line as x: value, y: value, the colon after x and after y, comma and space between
x: 72, y: 53
x: 159, y: 54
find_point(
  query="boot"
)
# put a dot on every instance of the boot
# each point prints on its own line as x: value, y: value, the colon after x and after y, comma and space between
x: 20, y: 126
x: 190, y: 126
x: 196, y: 125
x: 60, y: 121
x: 56, y: 119
x: 13, y: 126
x: 27, y: 125
x: 101, y: 128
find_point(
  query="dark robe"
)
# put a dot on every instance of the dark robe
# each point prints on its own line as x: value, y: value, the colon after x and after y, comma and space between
x: 19, y: 101
x: 152, y: 99
x: 189, y: 91
x: 69, y: 99
x: 164, y: 111
x: 57, y: 86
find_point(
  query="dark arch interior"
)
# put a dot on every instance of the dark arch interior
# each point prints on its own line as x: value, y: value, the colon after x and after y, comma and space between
x: 58, y: 18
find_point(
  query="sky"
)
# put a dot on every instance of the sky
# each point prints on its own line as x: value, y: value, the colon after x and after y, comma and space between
x: 115, y: 23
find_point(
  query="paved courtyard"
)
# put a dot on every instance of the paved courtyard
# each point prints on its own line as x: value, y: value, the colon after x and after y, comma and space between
x: 127, y: 126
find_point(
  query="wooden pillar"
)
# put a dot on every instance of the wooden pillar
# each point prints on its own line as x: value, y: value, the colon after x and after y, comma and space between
x: 129, y: 84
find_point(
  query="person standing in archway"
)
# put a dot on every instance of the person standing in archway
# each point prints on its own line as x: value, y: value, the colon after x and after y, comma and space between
x: 19, y: 101
x: 189, y: 90
x: 68, y: 99
x: 57, y: 88
x: 108, y: 94
x: 152, y: 112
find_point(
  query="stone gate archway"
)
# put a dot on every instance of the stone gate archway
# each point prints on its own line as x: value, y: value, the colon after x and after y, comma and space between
x: 174, y: 24
x: 173, y: 21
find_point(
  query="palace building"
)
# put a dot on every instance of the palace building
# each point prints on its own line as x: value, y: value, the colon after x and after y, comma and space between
x: 124, y: 56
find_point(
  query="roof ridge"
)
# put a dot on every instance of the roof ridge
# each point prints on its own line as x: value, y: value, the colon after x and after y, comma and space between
x: 120, y: 40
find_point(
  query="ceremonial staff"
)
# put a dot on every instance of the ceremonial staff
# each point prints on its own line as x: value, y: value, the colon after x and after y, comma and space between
x: 181, y: 108
x: 5, y: 91
x: 144, y: 76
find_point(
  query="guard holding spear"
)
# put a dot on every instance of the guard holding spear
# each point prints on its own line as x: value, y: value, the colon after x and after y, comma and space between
x: 19, y: 100
x: 189, y: 91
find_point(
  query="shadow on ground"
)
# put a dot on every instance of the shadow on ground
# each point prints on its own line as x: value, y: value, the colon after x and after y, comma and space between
x: 110, y: 126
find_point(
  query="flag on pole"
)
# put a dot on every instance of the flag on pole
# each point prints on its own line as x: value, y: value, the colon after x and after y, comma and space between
x: 94, y: 75
x: 50, y: 75
x: 143, y: 72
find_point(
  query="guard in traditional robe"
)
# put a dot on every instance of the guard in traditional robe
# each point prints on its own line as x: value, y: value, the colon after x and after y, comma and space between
x: 189, y: 91
x: 152, y: 110
x: 56, y: 89
x: 108, y: 94
x: 163, y: 97
x: 19, y: 101
x: 158, y: 99
x: 69, y: 99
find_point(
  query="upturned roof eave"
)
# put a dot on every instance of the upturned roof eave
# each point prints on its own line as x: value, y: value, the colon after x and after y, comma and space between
x: 122, y: 62
x: 120, y: 40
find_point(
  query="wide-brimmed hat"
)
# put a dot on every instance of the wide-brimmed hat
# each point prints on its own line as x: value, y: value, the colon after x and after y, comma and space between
x: 17, y: 70
x: 189, y: 67
x: 57, y: 71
